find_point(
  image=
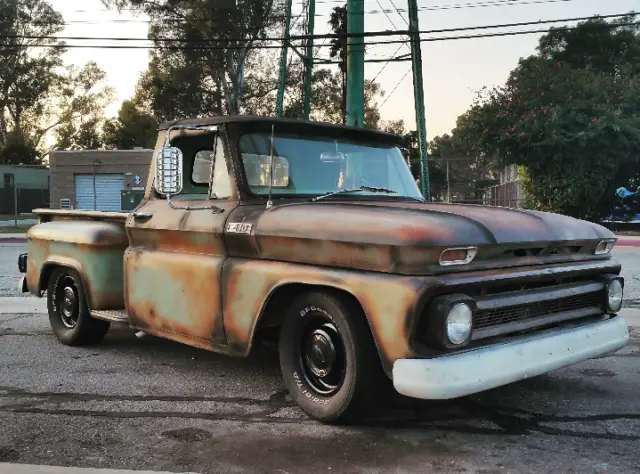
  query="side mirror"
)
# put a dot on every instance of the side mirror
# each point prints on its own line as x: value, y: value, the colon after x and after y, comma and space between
x: 168, y: 177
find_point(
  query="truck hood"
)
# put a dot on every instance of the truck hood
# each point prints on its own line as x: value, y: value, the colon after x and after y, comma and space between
x: 408, y: 237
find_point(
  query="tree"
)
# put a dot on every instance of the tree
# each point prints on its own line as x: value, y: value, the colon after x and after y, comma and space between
x: 326, y: 99
x: 338, y: 24
x: 133, y: 128
x: 75, y: 111
x: 26, y: 73
x: 38, y: 95
x: 570, y: 115
x: 214, y: 44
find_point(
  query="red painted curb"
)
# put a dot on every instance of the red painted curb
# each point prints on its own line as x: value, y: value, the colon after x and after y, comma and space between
x: 13, y: 240
x: 630, y: 242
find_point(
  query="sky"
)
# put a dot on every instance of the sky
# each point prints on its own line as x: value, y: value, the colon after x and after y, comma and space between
x: 453, y: 70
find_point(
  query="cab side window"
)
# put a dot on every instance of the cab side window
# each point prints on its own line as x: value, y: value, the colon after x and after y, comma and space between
x: 202, y: 167
x: 200, y: 153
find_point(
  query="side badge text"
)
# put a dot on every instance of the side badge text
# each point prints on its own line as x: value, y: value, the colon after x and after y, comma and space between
x: 239, y: 228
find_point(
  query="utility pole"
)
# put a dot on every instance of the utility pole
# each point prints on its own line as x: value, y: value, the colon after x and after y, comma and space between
x: 355, y: 63
x: 418, y: 93
x: 309, y: 57
x: 283, y: 59
x: 15, y: 203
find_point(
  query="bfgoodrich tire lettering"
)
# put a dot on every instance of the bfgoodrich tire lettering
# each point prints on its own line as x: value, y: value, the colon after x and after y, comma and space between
x: 68, y: 311
x: 328, y: 358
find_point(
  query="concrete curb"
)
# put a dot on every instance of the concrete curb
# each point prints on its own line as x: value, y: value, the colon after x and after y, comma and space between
x: 6, y: 468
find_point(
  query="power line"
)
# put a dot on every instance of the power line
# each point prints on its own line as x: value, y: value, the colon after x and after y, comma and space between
x: 226, y: 48
x: 336, y: 35
x: 399, y: 48
x: 399, y: 14
x: 394, y: 89
x: 495, y: 3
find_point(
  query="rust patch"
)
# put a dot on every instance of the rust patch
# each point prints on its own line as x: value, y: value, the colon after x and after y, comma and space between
x: 172, y: 278
x: 387, y: 300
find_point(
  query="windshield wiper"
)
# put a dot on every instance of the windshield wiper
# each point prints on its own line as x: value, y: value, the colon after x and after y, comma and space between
x: 372, y: 189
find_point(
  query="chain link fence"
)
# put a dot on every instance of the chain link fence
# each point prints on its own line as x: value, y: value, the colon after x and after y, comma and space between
x: 17, y: 203
x: 466, y: 181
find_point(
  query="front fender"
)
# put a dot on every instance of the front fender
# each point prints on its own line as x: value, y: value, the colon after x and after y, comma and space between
x: 390, y: 302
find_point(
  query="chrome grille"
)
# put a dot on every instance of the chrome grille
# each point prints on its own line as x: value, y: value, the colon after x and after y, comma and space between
x: 495, y: 317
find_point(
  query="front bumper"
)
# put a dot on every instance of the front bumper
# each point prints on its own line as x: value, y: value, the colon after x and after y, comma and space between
x: 462, y: 374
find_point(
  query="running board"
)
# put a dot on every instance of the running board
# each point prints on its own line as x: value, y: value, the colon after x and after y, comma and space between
x: 112, y: 316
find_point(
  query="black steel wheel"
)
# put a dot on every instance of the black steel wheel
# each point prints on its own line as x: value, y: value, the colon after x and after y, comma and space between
x: 69, y: 313
x: 328, y: 358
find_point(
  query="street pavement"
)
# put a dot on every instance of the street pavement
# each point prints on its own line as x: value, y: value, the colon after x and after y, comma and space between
x: 151, y: 404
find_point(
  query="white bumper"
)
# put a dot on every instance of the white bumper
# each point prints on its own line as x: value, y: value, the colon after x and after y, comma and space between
x: 457, y: 375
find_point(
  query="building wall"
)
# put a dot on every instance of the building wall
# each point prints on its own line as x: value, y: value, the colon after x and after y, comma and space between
x: 66, y: 164
x: 26, y: 177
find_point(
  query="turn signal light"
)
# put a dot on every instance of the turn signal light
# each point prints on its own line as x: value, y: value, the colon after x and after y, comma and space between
x: 458, y: 256
x: 605, y: 246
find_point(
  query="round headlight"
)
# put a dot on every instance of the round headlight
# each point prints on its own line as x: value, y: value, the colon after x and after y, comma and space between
x: 614, y: 295
x: 459, y: 323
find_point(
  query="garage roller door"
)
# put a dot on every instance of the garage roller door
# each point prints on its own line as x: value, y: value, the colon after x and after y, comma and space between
x: 108, y: 192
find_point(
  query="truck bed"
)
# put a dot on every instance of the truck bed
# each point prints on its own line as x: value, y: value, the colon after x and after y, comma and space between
x: 90, y: 242
x: 48, y: 215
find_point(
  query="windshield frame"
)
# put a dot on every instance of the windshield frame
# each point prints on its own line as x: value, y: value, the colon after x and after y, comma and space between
x: 306, y: 130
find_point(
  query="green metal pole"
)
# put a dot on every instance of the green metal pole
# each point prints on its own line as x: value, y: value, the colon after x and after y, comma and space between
x: 355, y: 63
x: 418, y: 94
x: 309, y: 71
x: 283, y: 59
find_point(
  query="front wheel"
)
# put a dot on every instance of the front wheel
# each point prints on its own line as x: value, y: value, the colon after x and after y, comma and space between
x: 328, y: 358
x: 68, y: 311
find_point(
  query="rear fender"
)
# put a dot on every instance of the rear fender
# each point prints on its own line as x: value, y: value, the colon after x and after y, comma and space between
x: 94, y: 249
x: 61, y: 262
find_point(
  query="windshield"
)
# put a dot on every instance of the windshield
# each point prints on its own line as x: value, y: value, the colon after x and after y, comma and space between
x: 314, y: 166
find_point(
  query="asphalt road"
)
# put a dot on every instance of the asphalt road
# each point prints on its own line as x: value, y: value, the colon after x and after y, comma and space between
x: 154, y: 404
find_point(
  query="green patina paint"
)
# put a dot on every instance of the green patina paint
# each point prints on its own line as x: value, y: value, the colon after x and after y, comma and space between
x: 103, y: 267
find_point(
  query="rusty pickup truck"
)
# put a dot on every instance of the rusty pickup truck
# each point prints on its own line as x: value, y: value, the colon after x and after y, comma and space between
x: 317, y: 233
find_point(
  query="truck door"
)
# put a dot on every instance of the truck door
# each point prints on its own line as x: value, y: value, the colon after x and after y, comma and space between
x: 174, y: 262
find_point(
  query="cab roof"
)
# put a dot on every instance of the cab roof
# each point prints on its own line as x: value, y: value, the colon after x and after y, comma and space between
x: 292, y: 125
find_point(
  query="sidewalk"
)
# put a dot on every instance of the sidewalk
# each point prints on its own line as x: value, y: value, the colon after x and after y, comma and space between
x: 22, y: 305
x: 6, y: 468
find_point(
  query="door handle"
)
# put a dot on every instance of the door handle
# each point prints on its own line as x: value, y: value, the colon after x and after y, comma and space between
x: 142, y: 215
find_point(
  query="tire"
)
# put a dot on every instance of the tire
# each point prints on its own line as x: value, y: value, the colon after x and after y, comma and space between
x: 69, y: 314
x: 337, y: 393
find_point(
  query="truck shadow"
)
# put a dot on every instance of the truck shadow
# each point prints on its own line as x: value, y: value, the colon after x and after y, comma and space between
x: 502, y: 411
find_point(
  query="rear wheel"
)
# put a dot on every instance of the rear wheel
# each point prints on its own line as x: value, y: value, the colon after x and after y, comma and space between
x: 328, y: 358
x: 68, y: 311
